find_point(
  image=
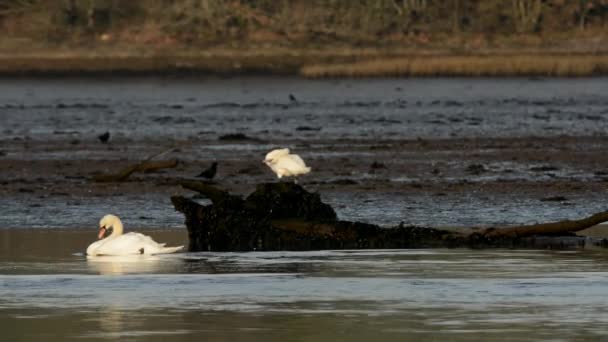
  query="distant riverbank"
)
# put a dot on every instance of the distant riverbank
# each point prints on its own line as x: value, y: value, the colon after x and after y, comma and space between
x: 310, y: 64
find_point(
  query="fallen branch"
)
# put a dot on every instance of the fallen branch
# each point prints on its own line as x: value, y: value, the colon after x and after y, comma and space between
x: 158, y: 165
x: 552, y: 228
x: 143, y: 166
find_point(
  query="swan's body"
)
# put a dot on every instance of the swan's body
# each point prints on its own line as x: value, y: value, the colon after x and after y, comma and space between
x: 125, y: 244
x: 284, y: 164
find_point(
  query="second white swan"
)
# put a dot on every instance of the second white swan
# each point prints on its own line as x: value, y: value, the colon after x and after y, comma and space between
x: 118, y: 243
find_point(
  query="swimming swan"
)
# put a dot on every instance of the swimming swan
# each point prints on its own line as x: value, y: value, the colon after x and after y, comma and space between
x: 127, y: 244
x: 284, y: 164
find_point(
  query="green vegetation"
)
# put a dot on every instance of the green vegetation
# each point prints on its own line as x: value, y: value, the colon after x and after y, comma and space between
x: 258, y: 34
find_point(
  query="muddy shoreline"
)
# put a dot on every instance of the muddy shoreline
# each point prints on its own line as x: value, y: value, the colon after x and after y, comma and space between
x: 569, y: 173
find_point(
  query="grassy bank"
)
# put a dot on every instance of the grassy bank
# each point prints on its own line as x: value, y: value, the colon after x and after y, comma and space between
x: 474, y: 66
x: 311, y: 64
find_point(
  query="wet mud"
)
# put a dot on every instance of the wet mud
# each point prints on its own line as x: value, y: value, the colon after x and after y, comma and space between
x: 433, y: 152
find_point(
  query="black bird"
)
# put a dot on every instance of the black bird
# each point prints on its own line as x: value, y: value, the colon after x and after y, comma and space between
x: 104, y: 137
x: 210, y: 172
x: 292, y: 98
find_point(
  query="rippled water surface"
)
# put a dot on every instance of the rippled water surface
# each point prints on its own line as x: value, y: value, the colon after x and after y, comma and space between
x: 261, y: 107
x: 324, y: 295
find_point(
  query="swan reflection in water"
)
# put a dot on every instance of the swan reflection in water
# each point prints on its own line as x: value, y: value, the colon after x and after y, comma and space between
x: 134, y: 264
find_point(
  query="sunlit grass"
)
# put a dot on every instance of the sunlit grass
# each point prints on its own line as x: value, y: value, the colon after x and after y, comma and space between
x: 497, y: 65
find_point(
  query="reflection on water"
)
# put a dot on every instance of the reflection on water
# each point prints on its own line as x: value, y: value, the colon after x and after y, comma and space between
x: 323, y: 295
x: 128, y: 264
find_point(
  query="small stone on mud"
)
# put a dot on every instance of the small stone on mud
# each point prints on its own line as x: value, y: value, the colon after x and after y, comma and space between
x: 377, y: 165
x: 476, y: 169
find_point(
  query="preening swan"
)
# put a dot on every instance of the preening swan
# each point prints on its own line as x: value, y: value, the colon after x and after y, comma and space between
x: 127, y: 244
x: 285, y: 164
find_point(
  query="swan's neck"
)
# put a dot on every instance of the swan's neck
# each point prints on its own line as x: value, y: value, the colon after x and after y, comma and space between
x: 117, y: 228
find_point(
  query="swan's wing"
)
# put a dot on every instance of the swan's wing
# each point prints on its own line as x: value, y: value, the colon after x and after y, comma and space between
x: 293, y: 164
x: 296, y: 158
x: 133, y: 243
x: 130, y: 243
x: 277, y: 153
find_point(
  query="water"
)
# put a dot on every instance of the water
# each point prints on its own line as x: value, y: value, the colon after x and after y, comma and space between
x: 323, y: 295
x: 356, y: 109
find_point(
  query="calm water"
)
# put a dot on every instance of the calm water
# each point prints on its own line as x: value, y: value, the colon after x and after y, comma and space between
x: 325, y: 295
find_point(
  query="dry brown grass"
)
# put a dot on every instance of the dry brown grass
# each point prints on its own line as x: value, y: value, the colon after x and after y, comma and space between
x: 472, y: 66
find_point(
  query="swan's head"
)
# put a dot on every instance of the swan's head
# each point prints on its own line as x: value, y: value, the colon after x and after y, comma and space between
x: 273, y: 156
x: 106, y: 225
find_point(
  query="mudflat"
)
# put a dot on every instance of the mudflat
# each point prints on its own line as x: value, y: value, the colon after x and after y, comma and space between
x: 433, y: 152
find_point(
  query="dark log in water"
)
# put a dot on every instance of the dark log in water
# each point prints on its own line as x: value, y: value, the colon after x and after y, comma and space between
x: 284, y: 216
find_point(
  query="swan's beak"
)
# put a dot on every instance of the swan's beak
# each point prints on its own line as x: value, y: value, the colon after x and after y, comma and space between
x: 102, y: 232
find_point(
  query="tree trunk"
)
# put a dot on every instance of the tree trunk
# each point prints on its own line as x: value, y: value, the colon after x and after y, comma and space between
x: 553, y: 228
x: 456, y: 16
x: 526, y: 14
x: 583, y: 10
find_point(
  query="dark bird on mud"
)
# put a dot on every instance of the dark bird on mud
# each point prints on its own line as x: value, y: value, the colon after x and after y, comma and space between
x: 292, y: 98
x: 210, y: 172
x: 104, y: 137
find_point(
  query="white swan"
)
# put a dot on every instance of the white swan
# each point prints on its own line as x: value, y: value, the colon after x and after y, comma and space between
x: 285, y: 164
x: 127, y: 244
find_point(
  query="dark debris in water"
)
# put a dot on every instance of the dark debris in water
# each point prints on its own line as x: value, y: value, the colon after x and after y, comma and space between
x: 554, y: 199
x: 544, y: 168
x: 238, y: 137
x: 308, y: 128
x: 343, y: 182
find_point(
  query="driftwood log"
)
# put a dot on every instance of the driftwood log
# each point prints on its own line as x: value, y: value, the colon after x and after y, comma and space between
x: 284, y: 216
x: 144, y: 166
